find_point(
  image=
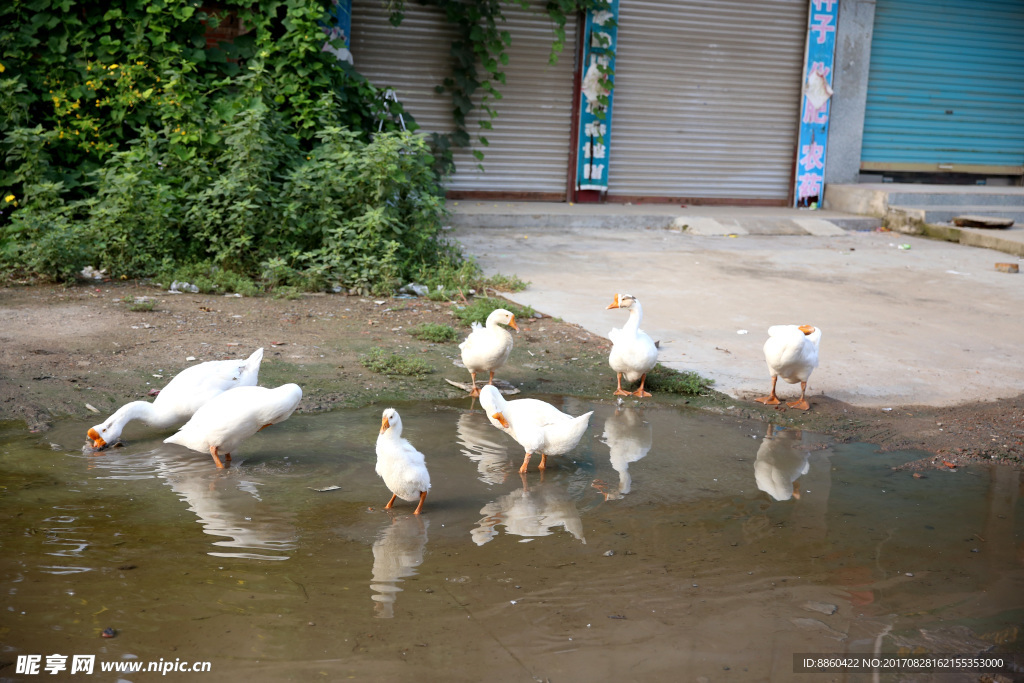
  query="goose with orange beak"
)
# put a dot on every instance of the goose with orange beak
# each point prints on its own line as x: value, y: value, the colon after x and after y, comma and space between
x: 487, y: 347
x: 228, y: 419
x: 399, y: 464
x: 537, y: 426
x: 181, y: 398
x: 791, y: 352
x: 633, y: 352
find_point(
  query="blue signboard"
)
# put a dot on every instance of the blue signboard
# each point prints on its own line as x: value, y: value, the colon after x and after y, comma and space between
x: 816, y: 98
x: 596, y: 117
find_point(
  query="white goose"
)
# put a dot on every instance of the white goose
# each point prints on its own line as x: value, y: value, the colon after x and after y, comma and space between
x: 399, y: 464
x: 792, y: 354
x: 633, y: 353
x: 537, y: 426
x: 181, y: 398
x: 228, y: 419
x: 487, y: 346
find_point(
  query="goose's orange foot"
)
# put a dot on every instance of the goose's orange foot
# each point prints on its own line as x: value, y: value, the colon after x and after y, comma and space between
x: 802, y: 404
x: 640, y: 393
x: 621, y: 392
x: 475, y: 392
x: 772, y: 400
x: 419, y: 508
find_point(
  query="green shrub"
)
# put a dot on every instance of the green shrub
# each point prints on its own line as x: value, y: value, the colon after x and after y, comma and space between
x: 258, y: 164
x: 434, y: 332
x: 385, y: 363
x: 480, y: 307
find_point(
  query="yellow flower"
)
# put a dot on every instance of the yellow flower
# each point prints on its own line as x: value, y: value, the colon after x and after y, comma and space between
x: 2, y: 68
x: 112, y: 67
x: 9, y: 198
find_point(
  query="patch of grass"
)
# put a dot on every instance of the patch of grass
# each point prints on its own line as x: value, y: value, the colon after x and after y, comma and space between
x: 286, y: 292
x: 210, y: 278
x: 434, y: 332
x: 385, y: 363
x: 481, y: 307
x: 667, y: 381
x: 505, y: 283
x: 138, y: 305
x: 456, y: 277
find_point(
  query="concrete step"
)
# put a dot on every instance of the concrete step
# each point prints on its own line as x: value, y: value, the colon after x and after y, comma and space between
x: 1009, y: 241
x: 946, y: 213
x: 695, y: 219
x: 998, y: 197
x: 874, y: 199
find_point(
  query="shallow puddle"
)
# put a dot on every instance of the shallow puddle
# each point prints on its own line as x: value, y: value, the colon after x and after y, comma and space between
x: 671, y: 544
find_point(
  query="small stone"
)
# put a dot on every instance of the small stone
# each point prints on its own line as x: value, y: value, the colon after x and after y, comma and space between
x: 609, y: 553
x: 823, y: 607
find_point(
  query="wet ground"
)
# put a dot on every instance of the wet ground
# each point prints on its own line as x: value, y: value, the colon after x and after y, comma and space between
x: 671, y: 544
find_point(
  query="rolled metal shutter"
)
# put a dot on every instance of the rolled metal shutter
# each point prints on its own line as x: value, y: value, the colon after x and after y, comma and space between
x: 707, y: 98
x: 528, y: 155
x: 946, y: 87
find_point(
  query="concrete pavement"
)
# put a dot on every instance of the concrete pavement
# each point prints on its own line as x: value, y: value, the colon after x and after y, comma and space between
x: 905, y: 320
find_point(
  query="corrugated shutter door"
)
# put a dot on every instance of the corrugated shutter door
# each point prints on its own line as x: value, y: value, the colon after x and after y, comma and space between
x: 530, y: 141
x: 707, y: 99
x: 946, y: 87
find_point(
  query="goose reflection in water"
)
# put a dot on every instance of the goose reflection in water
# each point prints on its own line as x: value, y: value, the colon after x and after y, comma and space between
x: 228, y: 504
x: 781, y: 461
x: 628, y: 438
x: 397, y: 552
x: 480, y: 443
x: 530, y: 511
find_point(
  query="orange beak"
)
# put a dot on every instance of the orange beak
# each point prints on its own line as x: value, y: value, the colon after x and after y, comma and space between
x: 384, y: 424
x: 501, y: 419
x: 97, y: 440
x: 807, y: 329
x: 512, y: 324
x: 614, y: 304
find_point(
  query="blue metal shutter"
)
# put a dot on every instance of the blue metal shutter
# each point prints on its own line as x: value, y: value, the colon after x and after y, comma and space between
x: 946, y: 87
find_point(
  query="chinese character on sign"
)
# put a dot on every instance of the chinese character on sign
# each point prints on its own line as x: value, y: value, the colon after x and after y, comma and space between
x: 595, y: 150
x: 810, y: 184
x: 28, y: 664
x: 55, y: 663
x: 594, y: 129
x: 822, y: 26
x: 813, y: 114
x: 813, y: 156
x: 82, y: 663
x: 593, y: 171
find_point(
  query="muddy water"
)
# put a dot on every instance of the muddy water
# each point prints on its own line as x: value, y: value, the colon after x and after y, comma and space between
x: 670, y: 545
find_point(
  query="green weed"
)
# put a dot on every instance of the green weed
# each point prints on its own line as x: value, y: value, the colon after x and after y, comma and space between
x: 385, y: 363
x: 480, y: 307
x: 138, y: 305
x: 667, y: 381
x: 434, y: 332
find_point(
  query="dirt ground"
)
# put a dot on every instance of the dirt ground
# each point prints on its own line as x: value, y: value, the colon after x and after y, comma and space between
x: 64, y: 349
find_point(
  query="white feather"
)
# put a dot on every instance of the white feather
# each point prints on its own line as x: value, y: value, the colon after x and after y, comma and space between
x: 399, y: 464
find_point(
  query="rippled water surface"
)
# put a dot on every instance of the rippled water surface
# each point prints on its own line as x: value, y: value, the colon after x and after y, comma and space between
x: 669, y: 545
